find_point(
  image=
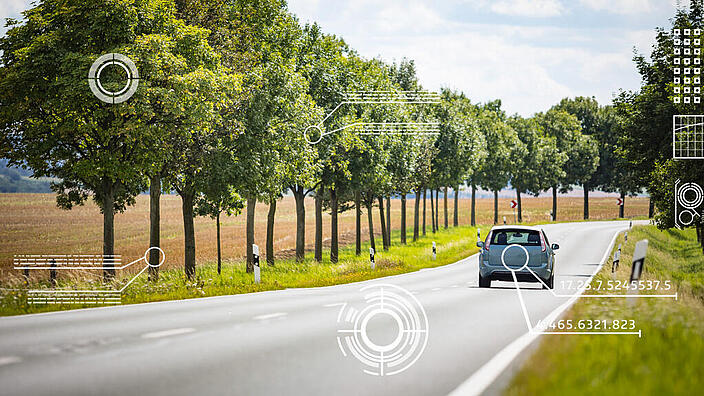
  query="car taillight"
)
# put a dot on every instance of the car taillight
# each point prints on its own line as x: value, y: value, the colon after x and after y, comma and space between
x: 488, y: 242
x: 542, y: 242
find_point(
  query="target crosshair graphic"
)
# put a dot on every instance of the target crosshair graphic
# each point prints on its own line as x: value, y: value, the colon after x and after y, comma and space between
x: 408, y: 344
x: 689, y: 205
x: 130, y: 70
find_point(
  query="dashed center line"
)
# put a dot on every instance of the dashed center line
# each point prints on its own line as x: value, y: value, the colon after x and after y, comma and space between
x: 436, y: 289
x: 270, y: 316
x: 168, y: 333
x: 9, y: 360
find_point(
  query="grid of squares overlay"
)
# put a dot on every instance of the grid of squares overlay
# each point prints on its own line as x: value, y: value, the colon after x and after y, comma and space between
x: 687, y: 65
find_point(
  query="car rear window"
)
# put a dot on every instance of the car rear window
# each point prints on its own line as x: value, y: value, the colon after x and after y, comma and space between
x: 517, y: 236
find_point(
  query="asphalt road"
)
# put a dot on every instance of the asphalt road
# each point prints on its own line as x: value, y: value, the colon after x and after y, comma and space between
x: 285, y: 342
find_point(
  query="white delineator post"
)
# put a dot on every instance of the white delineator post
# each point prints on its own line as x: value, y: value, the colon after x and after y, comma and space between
x: 435, y: 250
x: 479, y: 235
x: 617, y: 259
x: 255, y: 261
x: 637, y: 267
x: 371, y: 258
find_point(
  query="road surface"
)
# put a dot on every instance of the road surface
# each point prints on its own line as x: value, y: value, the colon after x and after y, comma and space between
x: 284, y: 342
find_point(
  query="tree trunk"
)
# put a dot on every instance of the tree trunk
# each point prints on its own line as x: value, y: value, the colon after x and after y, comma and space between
x: 444, y: 199
x: 358, y: 223
x: 217, y: 227
x: 432, y: 211
x: 403, y: 218
x: 154, y: 224
x: 299, y: 196
x: 554, y: 203
x: 108, y: 230
x: 622, y: 208
x: 473, y: 215
x: 416, y: 216
x: 424, y: 190
x: 520, y: 211
x: 333, y: 226
x: 270, y: 259
x: 455, y: 218
x: 388, y: 219
x: 189, y: 236
x: 437, y: 210
x: 586, y: 202
x: 651, y: 207
x: 372, y: 243
x: 384, y: 235
x: 251, y: 206
x: 496, y: 207
x: 318, y: 254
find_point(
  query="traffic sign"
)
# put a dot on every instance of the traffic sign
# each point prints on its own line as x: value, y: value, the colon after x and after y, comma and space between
x: 619, y: 202
x: 513, y: 203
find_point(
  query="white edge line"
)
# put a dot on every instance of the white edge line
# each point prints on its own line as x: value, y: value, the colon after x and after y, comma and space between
x: 487, y: 374
x: 9, y: 360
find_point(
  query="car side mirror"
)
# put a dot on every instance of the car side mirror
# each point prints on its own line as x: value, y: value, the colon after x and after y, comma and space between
x: 555, y: 246
x: 480, y: 244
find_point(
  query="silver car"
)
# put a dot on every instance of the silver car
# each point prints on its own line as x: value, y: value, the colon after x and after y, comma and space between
x: 520, y: 249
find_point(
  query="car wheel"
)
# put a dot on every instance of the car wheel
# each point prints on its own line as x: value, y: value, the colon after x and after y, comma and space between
x: 484, y: 282
x: 550, y: 283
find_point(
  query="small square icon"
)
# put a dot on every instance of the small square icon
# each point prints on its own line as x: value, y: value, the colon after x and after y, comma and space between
x: 687, y: 51
x: 697, y: 32
x: 676, y: 70
x: 697, y: 42
x: 686, y: 61
x: 697, y: 51
x: 676, y: 32
x: 687, y: 99
x: 677, y: 61
x: 676, y: 99
x: 696, y: 80
x: 676, y: 90
x: 697, y: 70
x: 678, y: 41
x: 677, y: 81
x: 687, y: 70
x: 687, y: 42
x: 687, y: 32
x: 686, y: 90
x: 687, y: 80
x: 697, y: 99
x: 697, y: 61
x: 697, y: 90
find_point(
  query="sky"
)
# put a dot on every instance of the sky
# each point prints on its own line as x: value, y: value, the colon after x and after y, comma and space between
x: 528, y: 53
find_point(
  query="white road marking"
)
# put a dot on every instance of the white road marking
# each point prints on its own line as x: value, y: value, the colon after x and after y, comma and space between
x: 9, y: 360
x: 455, y: 286
x: 436, y: 289
x: 270, y: 316
x: 168, y: 333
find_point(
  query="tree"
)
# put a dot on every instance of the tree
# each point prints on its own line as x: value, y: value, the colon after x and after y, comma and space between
x: 580, y: 150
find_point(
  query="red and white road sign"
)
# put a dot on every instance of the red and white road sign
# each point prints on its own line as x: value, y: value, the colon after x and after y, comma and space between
x: 619, y: 202
x: 513, y: 203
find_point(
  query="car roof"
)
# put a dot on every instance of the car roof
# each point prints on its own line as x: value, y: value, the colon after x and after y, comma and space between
x: 516, y: 227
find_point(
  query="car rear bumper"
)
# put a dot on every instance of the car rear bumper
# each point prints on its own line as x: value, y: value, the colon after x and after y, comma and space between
x: 501, y: 273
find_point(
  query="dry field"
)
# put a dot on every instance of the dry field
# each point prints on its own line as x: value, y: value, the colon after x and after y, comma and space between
x: 32, y: 224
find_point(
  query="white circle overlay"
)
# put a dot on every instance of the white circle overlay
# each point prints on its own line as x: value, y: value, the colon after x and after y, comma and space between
x: 682, y: 195
x: 411, y: 324
x: 524, y: 264
x: 146, y: 259
x: 130, y: 86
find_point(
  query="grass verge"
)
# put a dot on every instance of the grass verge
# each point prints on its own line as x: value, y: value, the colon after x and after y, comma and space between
x: 666, y: 360
x: 453, y: 244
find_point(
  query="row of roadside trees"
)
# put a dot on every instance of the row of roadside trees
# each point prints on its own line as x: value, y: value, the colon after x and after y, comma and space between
x: 227, y: 88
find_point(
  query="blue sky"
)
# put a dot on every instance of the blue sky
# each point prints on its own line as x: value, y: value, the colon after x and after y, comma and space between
x: 528, y: 53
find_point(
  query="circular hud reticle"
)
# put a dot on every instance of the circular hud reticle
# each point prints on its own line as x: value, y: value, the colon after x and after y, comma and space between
x: 130, y: 70
x: 408, y: 321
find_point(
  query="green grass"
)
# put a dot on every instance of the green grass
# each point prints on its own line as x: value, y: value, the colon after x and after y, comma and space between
x: 453, y: 244
x: 668, y: 359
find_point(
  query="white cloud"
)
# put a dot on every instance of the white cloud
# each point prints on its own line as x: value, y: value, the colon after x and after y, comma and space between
x: 528, y: 8
x: 620, y: 6
x: 12, y: 8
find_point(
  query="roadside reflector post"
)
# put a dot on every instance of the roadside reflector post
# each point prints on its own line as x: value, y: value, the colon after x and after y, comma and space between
x: 637, y: 267
x: 435, y: 250
x: 371, y: 257
x: 625, y: 238
x: 617, y: 258
x: 630, y: 224
x: 479, y: 235
x: 504, y: 220
x: 255, y: 261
